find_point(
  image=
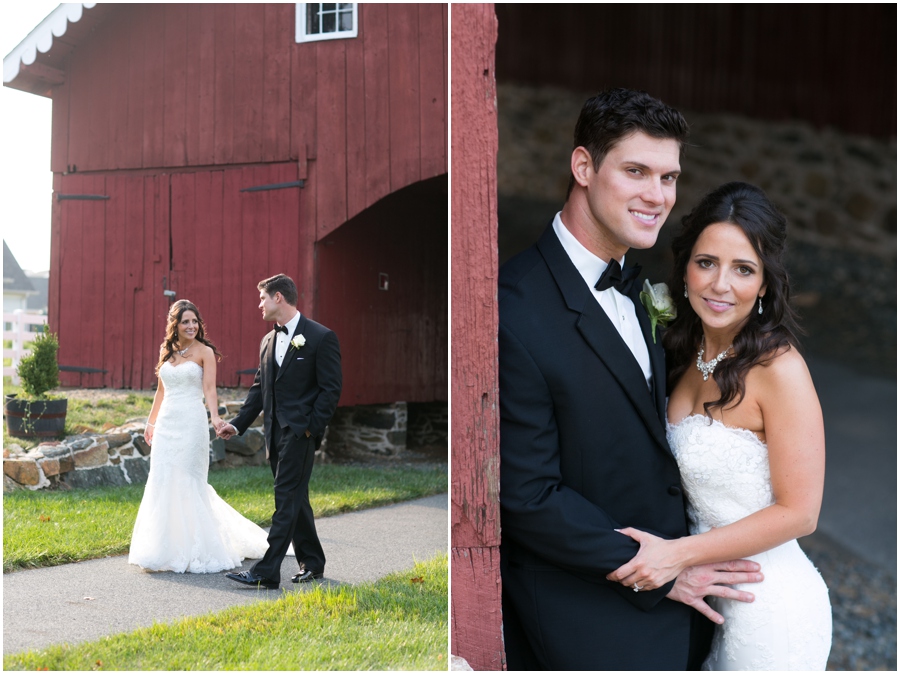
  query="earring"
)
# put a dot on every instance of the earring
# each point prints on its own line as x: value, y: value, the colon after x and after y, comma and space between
x: 760, y: 305
x: 685, y: 290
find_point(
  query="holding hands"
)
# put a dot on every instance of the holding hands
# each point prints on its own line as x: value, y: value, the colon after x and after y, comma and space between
x: 224, y: 430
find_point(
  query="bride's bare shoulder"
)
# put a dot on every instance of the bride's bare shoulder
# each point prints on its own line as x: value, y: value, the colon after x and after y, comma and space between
x: 785, y: 371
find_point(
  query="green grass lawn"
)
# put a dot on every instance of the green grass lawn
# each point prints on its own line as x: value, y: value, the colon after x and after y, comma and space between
x: 397, y: 623
x: 46, y: 528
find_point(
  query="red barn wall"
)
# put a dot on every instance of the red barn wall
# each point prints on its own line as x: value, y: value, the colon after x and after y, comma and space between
x: 394, y: 341
x: 196, y: 233
x: 475, y: 611
x: 170, y: 111
x: 177, y: 85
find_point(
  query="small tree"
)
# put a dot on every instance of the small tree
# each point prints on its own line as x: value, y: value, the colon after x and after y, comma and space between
x: 39, y: 371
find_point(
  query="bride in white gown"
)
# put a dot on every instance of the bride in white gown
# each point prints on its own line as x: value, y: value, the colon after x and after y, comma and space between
x: 746, y: 428
x: 182, y: 524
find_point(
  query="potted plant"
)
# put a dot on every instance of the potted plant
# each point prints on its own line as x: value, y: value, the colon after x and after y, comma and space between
x: 35, y: 414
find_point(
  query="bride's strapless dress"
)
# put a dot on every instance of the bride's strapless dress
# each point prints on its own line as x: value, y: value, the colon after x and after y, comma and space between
x: 725, y: 474
x: 182, y: 524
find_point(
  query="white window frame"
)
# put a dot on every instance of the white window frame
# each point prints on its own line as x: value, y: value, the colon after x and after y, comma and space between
x: 300, y: 34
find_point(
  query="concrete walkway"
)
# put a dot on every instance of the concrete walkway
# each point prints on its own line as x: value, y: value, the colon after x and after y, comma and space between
x: 85, y: 601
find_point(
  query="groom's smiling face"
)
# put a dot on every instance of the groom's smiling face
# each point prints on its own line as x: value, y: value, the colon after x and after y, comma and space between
x: 630, y: 195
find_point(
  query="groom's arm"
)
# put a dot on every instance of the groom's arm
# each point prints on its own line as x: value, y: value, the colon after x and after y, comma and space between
x: 329, y: 380
x: 251, y: 408
x: 539, y: 512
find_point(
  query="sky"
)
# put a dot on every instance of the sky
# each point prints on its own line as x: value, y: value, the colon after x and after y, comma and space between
x: 26, y: 183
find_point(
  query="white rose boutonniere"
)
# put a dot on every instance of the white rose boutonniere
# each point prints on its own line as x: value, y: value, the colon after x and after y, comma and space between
x: 298, y: 341
x: 659, y: 305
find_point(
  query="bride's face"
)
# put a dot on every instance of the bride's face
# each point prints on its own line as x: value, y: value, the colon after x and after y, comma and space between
x: 724, y: 277
x: 188, y: 327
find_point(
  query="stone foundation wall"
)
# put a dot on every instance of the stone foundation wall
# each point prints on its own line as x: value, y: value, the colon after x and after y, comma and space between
x: 386, y: 430
x: 427, y: 425
x: 372, y: 429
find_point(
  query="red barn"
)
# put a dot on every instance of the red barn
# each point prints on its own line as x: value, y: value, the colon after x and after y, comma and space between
x: 198, y: 148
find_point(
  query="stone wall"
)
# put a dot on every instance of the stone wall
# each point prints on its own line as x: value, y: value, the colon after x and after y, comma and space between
x: 118, y: 457
x: 368, y: 429
x: 390, y: 430
x: 427, y: 425
x: 121, y: 456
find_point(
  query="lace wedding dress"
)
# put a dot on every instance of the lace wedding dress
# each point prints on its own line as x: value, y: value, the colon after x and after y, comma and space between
x: 182, y: 524
x: 725, y: 474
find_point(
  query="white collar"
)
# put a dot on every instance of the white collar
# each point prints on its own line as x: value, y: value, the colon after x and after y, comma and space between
x: 588, y: 265
x: 291, y: 325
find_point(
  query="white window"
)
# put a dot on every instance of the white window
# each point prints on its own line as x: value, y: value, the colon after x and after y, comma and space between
x: 325, y: 21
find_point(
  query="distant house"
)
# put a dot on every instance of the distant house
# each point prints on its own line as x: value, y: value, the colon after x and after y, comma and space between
x: 17, y: 288
x: 38, y: 301
x: 20, y: 324
x: 199, y: 148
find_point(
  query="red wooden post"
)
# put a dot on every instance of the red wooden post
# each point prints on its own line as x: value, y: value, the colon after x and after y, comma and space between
x: 475, y: 563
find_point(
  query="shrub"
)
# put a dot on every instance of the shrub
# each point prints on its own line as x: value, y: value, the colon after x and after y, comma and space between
x: 39, y: 370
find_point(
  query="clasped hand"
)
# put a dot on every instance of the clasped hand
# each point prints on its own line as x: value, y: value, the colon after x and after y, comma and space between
x: 224, y: 430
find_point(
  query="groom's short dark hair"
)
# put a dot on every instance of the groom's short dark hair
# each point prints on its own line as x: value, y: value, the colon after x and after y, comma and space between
x: 280, y: 283
x: 613, y: 114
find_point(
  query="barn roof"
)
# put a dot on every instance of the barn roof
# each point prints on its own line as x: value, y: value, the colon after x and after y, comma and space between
x: 37, y: 63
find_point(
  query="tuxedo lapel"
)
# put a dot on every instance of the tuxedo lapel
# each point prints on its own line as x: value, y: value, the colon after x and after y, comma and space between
x: 600, y: 334
x: 657, y: 354
x: 267, y: 359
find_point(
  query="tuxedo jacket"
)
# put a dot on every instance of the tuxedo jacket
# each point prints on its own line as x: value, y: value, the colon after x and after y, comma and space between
x: 303, y: 393
x: 583, y: 452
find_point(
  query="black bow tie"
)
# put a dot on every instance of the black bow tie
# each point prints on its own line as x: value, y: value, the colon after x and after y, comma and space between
x: 614, y: 277
x: 281, y: 328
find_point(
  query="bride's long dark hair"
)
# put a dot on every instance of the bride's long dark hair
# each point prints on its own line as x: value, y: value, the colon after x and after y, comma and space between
x: 176, y: 311
x: 763, y: 335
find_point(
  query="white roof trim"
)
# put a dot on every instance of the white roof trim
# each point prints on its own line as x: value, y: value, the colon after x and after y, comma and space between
x: 41, y: 38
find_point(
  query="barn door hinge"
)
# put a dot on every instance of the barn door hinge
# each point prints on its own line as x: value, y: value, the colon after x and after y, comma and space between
x: 274, y: 186
x: 82, y: 197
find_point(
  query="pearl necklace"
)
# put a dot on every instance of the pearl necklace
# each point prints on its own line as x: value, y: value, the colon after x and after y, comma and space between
x: 706, y: 369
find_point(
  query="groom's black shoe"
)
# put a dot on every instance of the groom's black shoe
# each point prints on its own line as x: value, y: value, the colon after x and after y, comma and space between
x: 250, y: 578
x: 306, y: 576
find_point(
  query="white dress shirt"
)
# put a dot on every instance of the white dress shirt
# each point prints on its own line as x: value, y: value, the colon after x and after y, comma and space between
x: 617, y: 306
x: 283, y: 340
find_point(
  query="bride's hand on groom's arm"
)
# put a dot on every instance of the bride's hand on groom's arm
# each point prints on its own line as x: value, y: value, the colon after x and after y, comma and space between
x: 657, y: 562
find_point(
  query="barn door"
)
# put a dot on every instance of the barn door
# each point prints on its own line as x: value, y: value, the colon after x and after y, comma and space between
x: 109, y: 252
x: 230, y: 229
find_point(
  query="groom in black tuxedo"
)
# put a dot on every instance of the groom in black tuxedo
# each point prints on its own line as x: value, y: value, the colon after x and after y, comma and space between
x: 582, y: 417
x: 297, y: 388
